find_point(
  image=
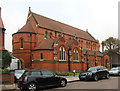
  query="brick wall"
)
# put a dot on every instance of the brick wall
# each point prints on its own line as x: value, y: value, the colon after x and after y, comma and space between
x: 7, y: 78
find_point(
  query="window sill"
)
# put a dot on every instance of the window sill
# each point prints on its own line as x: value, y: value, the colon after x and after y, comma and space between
x: 62, y: 60
x: 76, y: 60
x: 41, y: 59
x: 21, y: 48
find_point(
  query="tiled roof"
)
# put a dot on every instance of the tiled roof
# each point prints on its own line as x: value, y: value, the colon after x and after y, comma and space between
x: 61, y: 27
x: 45, y: 44
x: 27, y: 28
x: 1, y: 23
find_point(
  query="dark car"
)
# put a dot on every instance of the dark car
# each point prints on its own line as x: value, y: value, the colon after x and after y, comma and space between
x: 35, y: 79
x: 94, y: 73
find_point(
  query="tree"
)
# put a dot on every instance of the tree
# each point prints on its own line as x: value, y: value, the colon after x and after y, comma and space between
x: 6, y: 59
x: 111, y: 44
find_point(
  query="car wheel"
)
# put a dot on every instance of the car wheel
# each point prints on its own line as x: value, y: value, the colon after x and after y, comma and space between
x: 32, y: 87
x: 95, y: 77
x: 107, y: 76
x: 22, y: 89
x: 119, y: 74
x: 62, y: 83
x: 81, y: 79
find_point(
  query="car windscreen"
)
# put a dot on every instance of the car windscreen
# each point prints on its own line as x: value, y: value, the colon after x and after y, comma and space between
x: 114, y: 69
x: 92, y: 69
x: 19, y: 71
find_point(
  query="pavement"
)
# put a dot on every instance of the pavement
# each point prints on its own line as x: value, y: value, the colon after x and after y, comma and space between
x: 9, y: 87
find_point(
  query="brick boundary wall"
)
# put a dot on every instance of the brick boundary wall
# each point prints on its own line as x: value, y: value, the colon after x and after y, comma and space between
x: 7, y: 78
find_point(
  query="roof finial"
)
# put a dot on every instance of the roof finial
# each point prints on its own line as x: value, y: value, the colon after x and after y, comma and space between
x: 86, y: 30
x: 30, y: 9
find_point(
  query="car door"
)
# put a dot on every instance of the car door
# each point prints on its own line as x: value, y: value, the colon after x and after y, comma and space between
x: 105, y: 71
x: 99, y: 72
x: 37, y: 77
x: 48, y: 76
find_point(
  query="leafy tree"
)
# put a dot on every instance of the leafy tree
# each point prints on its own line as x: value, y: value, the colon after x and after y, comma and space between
x: 6, y: 59
x: 111, y: 45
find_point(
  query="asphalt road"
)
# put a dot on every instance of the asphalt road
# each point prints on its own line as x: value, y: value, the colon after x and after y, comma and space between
x: 108, y: 84
x: 111, y: 83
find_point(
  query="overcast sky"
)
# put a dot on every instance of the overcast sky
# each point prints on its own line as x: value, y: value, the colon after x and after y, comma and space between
x: 100, y: 17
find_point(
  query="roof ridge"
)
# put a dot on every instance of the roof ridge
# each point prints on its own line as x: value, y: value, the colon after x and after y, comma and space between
x: 59, y: 22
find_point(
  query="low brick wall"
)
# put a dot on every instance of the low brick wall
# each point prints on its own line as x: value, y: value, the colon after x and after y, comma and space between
x: 7, y: 78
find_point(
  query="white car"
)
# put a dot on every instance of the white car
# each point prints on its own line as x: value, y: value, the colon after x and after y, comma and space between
x: 115, y: 71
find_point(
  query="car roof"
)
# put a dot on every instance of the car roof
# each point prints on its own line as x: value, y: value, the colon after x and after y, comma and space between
x: 37, y: 70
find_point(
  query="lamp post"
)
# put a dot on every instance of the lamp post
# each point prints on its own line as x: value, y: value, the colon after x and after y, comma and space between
x: 69, y: 59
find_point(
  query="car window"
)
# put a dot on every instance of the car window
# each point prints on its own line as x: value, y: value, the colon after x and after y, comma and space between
x: 35, y: 73
x: 104, y: 68
x: 47, y: 73
x: 114, y: 69
x: 26, y: 73
x: 92, y: 69
x: 101, y: 67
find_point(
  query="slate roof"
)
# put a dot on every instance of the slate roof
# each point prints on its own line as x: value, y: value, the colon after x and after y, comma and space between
x: 45, y: 44
x: 27, y: 28
x: 61, y: 27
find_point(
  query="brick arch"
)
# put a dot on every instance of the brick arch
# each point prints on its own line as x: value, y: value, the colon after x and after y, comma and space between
x: 75, y: 47
x: 66, y: 49
x: 106, y: 61
x: 58, y: 49
x: 21, y: 38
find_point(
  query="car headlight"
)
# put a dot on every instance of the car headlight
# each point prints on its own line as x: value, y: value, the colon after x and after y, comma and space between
x: 89, y: 73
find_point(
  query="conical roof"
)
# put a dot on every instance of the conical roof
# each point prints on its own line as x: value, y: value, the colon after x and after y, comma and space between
x: 27, y: 28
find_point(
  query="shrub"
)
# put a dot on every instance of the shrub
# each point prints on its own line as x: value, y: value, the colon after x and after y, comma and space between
x: 4, y: 70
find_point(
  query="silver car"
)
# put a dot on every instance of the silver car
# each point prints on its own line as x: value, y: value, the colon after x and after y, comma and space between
x: 115, y: 71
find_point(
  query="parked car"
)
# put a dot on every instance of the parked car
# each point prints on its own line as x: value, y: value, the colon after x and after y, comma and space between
x: 115, y: 71
x: 18, y: 73
x: 35, y: 79
x: 94, y: 73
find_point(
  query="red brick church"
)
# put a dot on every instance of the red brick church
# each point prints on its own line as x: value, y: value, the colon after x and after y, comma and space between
x: 2, y: 33
x: 44, y: 43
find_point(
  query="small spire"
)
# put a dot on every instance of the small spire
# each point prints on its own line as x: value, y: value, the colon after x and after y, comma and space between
x: 86, y: 30
x: 30, y: 9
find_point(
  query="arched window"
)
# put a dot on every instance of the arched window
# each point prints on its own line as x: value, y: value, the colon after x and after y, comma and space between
x: 89, y: 45
x: 106, y: 63
x: 46, y: 34
x: 75, y: 54
x: 21, y: 40
x: 50, y: 35
x: 62, y: 53
x: 41, y: 56
x: 82, y: 44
